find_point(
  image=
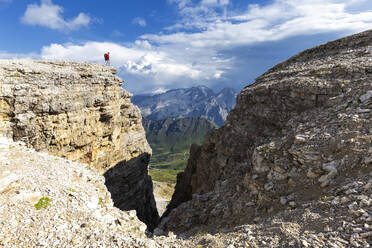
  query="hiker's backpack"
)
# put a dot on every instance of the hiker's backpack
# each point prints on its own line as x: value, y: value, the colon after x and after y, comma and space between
x: 106, y: 56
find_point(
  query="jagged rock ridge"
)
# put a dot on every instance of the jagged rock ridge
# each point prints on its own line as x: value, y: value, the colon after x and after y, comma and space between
x: 79, y: 111
x: 298, y: 134
x: 198, y: 101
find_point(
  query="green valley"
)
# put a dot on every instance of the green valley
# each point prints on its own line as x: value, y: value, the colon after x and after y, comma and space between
x: 170, y: 140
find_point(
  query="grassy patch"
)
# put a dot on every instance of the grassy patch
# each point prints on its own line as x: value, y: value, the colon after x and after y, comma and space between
x: 165, y: 166
x: 164, y: 175
x: 43, y: 203
x: 170, y: 140
x: 101, y: 202
x: 71, y: 189
x: 324, y: 198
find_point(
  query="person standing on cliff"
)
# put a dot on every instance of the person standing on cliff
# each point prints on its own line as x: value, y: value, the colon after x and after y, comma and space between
x: 107, y: 58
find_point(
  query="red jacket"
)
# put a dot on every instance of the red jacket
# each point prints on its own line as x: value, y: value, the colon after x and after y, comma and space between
x: 107, y: 56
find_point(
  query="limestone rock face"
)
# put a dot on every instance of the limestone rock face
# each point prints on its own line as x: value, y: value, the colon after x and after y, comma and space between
x: 300, y: 131
x: 73, y: 110
x: 80, y: 112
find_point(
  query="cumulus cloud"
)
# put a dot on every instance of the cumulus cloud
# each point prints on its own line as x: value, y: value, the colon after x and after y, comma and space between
x: 139, y: 21
x: 49, y: 15
x: 279, y: 20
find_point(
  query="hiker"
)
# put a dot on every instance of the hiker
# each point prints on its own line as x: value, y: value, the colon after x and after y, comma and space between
x: 107, y: 58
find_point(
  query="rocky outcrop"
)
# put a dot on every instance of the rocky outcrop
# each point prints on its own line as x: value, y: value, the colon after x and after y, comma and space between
x: 299, y: 133
x: 79, y: 111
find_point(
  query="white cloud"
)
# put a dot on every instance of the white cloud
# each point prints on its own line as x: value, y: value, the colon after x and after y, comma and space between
x: 49, y: 15
x: 214, y: 2
x: 139, y: 21
x: 279, y: 20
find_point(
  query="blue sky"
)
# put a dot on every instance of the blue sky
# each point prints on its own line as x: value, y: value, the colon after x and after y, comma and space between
x: 165, y: 44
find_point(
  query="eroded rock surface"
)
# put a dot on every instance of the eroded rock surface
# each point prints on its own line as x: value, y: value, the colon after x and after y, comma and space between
x: 78, y: 209
x: 79, y: 111
x: 73, y: 110
x: 299, y: 133
x: 48, y: 201
x: 80, y: 212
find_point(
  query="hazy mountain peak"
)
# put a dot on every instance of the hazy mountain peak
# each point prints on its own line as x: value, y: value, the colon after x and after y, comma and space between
x: 188, y: 102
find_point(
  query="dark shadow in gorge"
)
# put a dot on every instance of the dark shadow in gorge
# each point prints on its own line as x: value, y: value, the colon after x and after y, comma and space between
x: 131, y: 189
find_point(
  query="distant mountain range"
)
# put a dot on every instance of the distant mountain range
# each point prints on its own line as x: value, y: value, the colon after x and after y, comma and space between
x: 198, y: 101
x: 170, y: 140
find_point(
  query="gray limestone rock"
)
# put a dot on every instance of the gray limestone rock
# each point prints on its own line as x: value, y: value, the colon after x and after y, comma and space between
x: 79, y: 111
x: 297, y: 126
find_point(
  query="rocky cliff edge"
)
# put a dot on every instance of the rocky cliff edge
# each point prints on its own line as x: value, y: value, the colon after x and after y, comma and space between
x: 80, y: 112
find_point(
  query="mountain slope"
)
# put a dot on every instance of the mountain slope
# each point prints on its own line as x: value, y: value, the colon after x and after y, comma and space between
x: 170, y: 140
x: 191, y: 102
x: 297, y: 145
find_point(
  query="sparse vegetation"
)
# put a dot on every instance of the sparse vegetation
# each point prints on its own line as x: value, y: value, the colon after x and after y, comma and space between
x: 164, y: 189
x: 43, y: 203
x: 324, y: 198
x: 101, y: 201
x: 71, y: 189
